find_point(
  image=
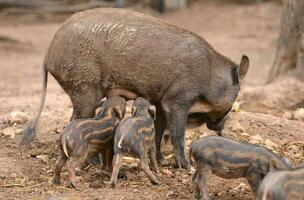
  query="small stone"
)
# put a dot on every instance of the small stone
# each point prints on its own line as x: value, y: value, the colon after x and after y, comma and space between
x: 167, y: 172
x: 240, y: 188
x: 71, y: 197
x: 9, y: 132
x: 59, y: 130
x: 299, y: 114
x: 18, y: 117
x: 185, y: 181
x: 287, y: 115
x: 243, y: 136
x: 271, y: 144
x: 191, y: 171
x: 236, y: 107
x: 43, y: 158
x: 96, y: 184
x: 256, y: 139
x: 237, y: 127
x: 130, y: 176
x: 134, y: 165
x: 169, y: 194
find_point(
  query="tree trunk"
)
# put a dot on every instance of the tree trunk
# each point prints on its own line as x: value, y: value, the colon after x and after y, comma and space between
x: 289, y: 57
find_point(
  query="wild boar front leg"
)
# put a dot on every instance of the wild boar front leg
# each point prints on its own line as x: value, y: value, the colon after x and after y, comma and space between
x: 160, y: 125
x: 176, y: 119
x: 176, y: 104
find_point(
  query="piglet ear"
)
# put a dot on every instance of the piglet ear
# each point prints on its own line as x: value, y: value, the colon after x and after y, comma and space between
x: 119, y: 112
x: 278, y: 165
x: 152, y: 111
x: 243, y: 68
x: 272, y: 166
x: 102, y: 101
x: 134, y: 110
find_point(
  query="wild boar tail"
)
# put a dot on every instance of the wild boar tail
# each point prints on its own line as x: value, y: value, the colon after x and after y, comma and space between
x: 120, y: 141
x: 64, y: 145
x: 29, y: 133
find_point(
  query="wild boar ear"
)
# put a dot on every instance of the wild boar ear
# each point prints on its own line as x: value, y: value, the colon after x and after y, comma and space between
x: 152, y: 111
x: 118, y: 111
x: 243, y: 68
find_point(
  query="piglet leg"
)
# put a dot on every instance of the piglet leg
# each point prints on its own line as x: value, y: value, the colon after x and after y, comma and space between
x: 58, y: 168
x: 254, y: 181
x: 72, y: 164
x: 109, y: 159
x: 152, y: 156
x: 199, y: 183
x: 117, y: 163
x: 103, y: 156
x: 145, y: 167
x: 195, y: 180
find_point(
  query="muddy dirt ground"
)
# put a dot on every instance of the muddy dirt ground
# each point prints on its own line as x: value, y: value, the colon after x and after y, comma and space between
x: 26, y: 172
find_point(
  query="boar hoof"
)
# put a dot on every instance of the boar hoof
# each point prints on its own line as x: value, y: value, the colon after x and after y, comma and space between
x: 184, y: 164
x: 110, y: 183
x: 113, y: 184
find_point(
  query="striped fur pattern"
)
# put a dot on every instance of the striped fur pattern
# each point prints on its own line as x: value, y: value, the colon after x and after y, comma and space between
x: 231, y: 159
x: 85, y: 137
x: 283, y: 185
x: 129, y: 113
x: 135, y: 135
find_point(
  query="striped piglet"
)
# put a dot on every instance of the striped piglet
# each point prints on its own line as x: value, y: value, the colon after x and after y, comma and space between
x: 283, y: 185
x: 135, y: 136
x: 231, y: 159
x: 85, y: 137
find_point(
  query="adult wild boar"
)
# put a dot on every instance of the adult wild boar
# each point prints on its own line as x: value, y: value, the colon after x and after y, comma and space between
x: 108, y: 52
